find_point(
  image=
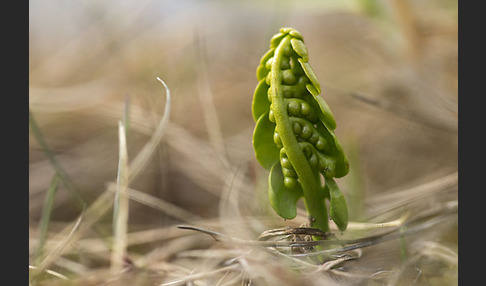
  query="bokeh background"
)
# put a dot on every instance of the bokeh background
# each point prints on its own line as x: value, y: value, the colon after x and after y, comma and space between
x: 388, y: 70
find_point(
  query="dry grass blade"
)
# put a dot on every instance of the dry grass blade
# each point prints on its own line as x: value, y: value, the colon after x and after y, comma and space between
x: 395, y: 109
x: 338, y: 260
x: 434, y: 249
x: 380, y: 225
x: 66, y: 239
x: 214, y: 234
x: 48, y: 271
x: 143, y: 156
x: 205, y: 94
x: 121, y: 207
x: 163, y: 206
x: 229, y: 211
x: 201, y: 275
x: 69, y: 98
x: 71, y: 265
x: 396, y: 199
x: 75, y: 230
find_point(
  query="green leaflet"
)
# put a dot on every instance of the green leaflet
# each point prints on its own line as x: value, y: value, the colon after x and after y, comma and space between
x: 262, y: 70
x: 310, y: 74
x: 341, y: 167
x: 266, y: 151
x: 294, y: 133
x: 299, y: 47
x: 326, y: 117
x: 283, y: 199
x: 260, y: 103
x: 338, y: 209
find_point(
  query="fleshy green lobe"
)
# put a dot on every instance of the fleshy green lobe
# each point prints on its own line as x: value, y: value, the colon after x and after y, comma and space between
x: 282, y: 199
x: 299, y: 47
x: 341, y: 161
x: 326, y: 116
x: 262, y: 71
x: 338, y: 209
x: 310, y: 74
x: 266, y: 151
x: 260, y: 103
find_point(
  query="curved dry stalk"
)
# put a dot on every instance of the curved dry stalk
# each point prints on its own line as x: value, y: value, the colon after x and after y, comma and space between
x: 120, y: 215
x: 50, y: 272
x: 144, y: 155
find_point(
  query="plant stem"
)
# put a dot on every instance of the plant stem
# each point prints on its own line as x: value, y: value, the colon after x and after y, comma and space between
x: 314, y: 201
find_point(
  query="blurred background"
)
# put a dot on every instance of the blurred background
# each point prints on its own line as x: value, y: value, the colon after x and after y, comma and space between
x: 388, y: 71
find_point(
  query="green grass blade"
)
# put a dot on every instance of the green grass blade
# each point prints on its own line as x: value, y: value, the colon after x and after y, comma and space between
x: 45, y: 218
x: 66, y: 180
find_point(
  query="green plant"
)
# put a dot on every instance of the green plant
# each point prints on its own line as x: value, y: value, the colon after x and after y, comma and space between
x: 294, y: 137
